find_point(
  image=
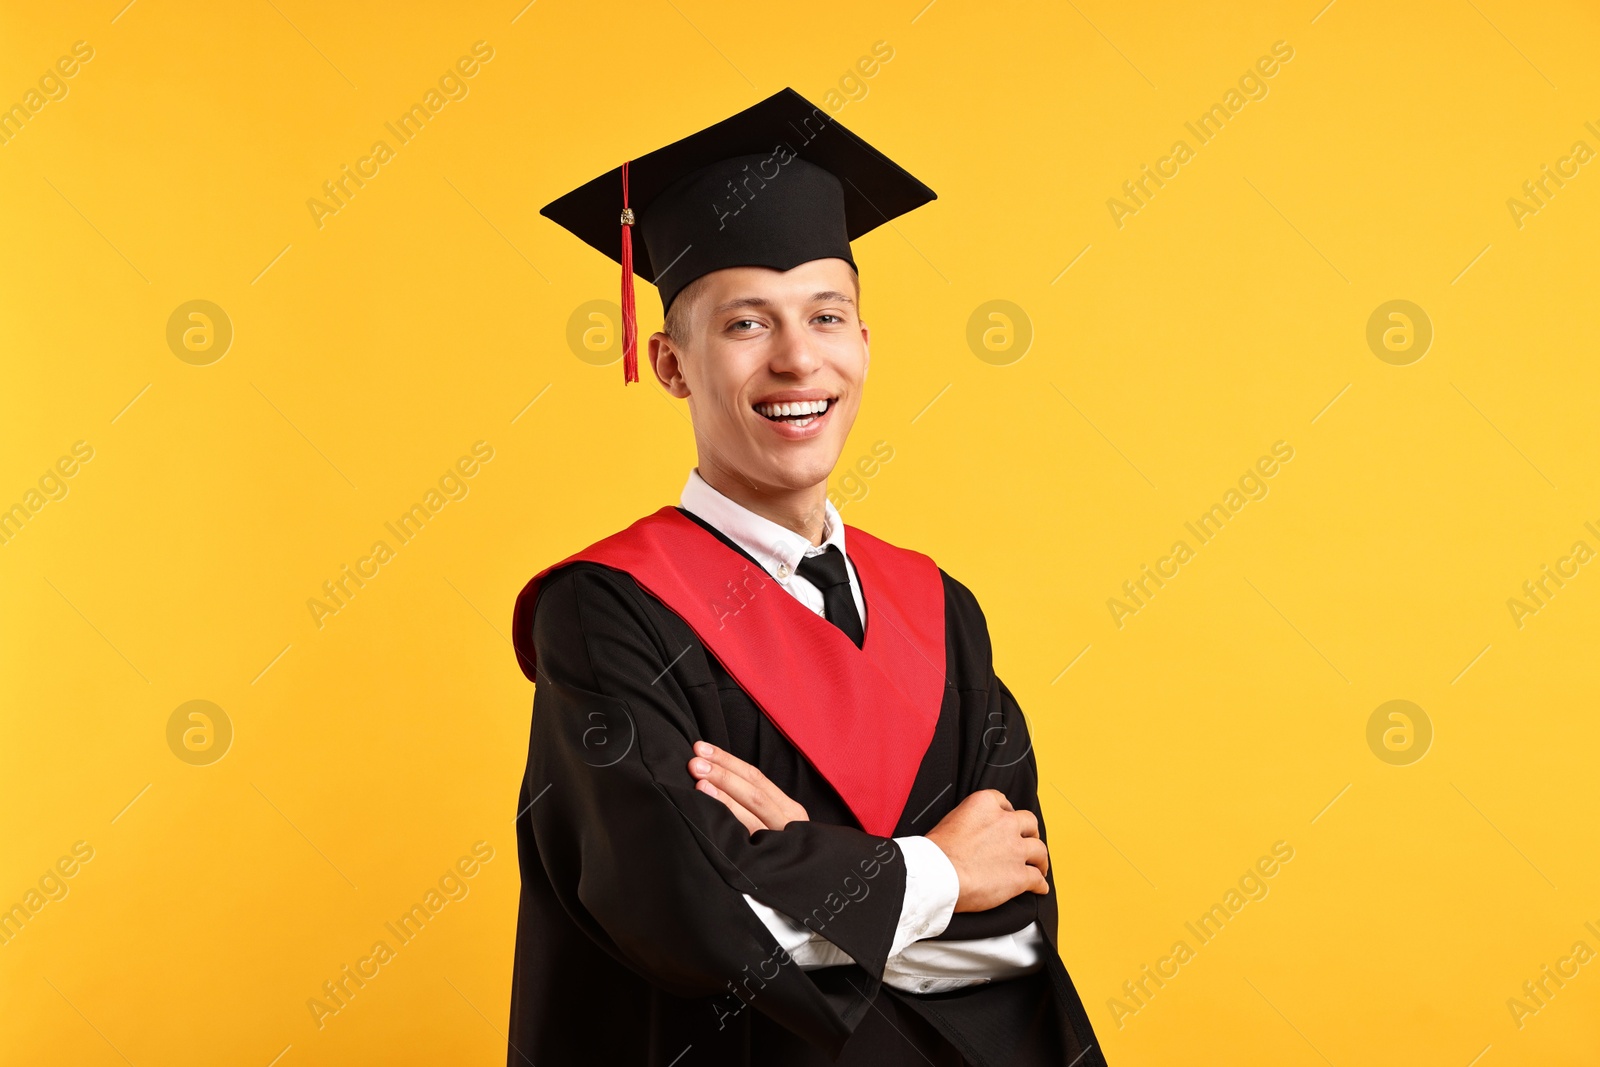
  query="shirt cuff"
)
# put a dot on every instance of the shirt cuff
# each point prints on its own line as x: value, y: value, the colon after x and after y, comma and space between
x: 932, y: 888
x: 807, y: 949
x: 940, y: 966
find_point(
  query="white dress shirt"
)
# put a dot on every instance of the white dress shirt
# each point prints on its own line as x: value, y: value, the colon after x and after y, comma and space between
x: 932, y: 887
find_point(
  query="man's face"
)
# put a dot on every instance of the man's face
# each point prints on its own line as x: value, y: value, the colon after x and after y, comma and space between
x: 759, y: 337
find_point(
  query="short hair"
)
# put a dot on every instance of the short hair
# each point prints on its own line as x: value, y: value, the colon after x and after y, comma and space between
x: 676, y: 323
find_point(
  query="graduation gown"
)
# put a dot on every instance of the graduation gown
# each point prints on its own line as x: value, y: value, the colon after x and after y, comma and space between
x: 634, y: 942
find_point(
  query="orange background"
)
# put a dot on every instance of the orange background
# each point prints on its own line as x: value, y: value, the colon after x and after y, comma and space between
x: 1134, y: 374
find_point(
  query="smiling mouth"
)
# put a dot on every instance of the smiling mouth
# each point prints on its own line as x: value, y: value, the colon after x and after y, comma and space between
x: 795, y: 412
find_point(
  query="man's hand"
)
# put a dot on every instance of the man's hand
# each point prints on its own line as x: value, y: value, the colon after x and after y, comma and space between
x: 995, y: 850
x: 746, y: 792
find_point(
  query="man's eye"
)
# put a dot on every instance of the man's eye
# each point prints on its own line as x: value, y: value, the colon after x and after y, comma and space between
x: 742, y: 323
x: 829, y: 315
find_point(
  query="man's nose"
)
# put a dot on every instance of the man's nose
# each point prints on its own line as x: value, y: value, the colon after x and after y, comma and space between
x: 793, y: 353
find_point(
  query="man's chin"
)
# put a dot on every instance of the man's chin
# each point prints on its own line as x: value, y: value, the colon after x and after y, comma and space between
x: 799, y: 467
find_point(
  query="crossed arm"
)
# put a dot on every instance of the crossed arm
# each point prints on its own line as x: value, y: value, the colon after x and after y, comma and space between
x: 993, y: 851
x: 646, y: 865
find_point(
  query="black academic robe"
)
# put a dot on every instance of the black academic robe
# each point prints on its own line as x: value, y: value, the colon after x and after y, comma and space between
x: 634, y: 943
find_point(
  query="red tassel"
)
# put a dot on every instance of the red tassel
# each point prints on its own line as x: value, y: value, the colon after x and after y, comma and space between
x: 630, y: 317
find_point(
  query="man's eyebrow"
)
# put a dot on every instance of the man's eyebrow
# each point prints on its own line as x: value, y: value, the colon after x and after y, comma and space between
x: 832, y: 296
x: 827, y: 295
x: 742, y: 302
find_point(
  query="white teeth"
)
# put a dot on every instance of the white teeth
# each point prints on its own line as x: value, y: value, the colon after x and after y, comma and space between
x: 797, y: 407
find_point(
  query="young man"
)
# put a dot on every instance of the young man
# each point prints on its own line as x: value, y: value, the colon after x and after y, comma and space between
x: 778, y: 809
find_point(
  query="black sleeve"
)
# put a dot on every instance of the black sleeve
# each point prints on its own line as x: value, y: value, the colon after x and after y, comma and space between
x: 996, y: 753
x: 649, y: 867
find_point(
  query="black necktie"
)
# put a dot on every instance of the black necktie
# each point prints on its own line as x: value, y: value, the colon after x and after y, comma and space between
x: 827, y: 571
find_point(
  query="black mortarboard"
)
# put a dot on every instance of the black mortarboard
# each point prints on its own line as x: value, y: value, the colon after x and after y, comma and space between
x: 777, y: 185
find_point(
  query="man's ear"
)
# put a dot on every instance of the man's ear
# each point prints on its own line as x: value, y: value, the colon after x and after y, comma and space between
x: 665, y: 361
x: 866, y: 344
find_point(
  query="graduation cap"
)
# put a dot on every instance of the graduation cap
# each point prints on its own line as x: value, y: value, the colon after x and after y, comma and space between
x: 777, y: 185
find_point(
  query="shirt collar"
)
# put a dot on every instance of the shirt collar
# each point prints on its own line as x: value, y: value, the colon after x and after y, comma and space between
x: 777, y: 548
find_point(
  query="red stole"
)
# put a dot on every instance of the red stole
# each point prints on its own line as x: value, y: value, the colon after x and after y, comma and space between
x: 862, y: 716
